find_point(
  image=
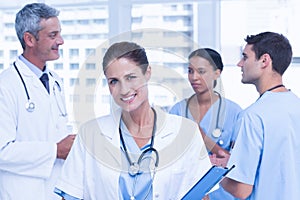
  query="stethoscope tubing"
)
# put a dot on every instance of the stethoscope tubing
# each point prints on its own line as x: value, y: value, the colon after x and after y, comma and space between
x: 30, y: 106
x: 218, y: 112
x: 23, y: 82
x: 151, y: 148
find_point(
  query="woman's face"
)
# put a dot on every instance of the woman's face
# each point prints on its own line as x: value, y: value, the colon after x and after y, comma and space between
x: 202, y: 75
x: 127, y: 84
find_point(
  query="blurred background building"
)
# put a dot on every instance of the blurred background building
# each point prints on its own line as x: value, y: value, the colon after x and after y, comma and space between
x: 168, y: 29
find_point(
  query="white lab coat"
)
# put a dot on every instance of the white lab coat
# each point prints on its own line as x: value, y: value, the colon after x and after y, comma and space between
x: 28, y: 164
x: 92, y: 169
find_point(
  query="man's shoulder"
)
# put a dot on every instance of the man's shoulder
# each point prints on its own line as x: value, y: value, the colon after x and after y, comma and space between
x: 7, y: 76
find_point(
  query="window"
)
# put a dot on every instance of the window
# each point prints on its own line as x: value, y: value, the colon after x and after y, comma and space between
x: 98, y: 36
x: 83, y: 21
x: 137, y: 20
x: 104, y: 82
x: 74, y: 81
x: 137, y: 35
x: 68, y: 22
x: 13, y: 54
x: 74, y: 53
x: 106, y: 99
x: 1, y: 66
x: 74, y: 98
x: 188, y: 7
x: 90, y: 52
x: 9, y: 25
x: 99, y: 21
x: 90, y: 82
x: 173, y: 7
x: 90, y: 66
x: 61, y: 53
x: 10, y: 38
x: 90, y: 98
x: 187, y: 21
x: 74, y: 66
x: 58, y: 66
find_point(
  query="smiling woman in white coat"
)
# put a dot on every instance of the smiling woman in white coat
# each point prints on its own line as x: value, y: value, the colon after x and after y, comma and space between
x: 138, y: 151
x: 33, y: 132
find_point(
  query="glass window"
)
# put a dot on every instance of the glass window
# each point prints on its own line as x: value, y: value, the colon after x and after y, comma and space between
x: 74, y: 81
x: 74, y: 98
x: 90, y: 82
x: 105, y: 99
x: 74, y: 66
x: 104, y: 82
x: 67, y: 22
x: 99, y: 21
x: 188, y: 7
x: 13, y: 54
x: 11, y: 38
x: 58, y: 66
x: 90, y: 66
x: 74, y: 53
x: 9, y: 25
x: 90, y: 98
x: 61, y: 53
x: 137, y: 19
x: 90, y: 52
x: 83, y: 21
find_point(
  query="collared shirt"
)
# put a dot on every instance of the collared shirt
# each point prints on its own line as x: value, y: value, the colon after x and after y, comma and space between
x: 33, y: 68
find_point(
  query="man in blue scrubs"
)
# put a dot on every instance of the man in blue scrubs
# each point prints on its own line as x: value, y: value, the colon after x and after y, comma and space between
x: 266, y: 154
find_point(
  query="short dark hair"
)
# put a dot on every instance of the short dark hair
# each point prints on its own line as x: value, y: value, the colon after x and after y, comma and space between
x: 213, y: 57
x: 274, y: 44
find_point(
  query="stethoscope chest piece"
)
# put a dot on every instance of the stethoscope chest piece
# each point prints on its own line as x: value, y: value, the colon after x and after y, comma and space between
x: 134, y: 169
x: 30, y: 106
x: 217, y: 132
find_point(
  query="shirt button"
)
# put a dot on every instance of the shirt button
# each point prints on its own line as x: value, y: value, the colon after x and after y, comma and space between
x: 221, y: 142
x: 156, y: 195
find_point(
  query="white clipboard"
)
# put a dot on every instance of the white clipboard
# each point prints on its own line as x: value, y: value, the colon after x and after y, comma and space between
x: 212, y: 177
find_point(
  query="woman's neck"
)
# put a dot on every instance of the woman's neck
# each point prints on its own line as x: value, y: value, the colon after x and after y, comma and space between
x: 138, y: 120
x: 140, y: 125
x: 206, y: 99
x: 199, y: 104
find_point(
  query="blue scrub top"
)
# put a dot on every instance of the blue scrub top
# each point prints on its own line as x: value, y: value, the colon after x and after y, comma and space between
x: 227, y: 118
x: 266, y: 154
x: 140, y: 185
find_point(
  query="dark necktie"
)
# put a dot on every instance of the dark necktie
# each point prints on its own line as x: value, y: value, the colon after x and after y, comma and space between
x: 45, y: 80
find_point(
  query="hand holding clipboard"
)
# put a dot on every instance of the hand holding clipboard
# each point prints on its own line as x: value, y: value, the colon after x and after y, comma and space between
x: 213, y: 176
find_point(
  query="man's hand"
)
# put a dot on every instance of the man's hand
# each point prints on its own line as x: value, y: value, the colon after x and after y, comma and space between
x: 64, y: 146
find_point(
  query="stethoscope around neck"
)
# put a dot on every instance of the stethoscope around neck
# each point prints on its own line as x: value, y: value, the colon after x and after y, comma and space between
x: 30, y: 105
x: 134, y: 167
x: 217, y: 132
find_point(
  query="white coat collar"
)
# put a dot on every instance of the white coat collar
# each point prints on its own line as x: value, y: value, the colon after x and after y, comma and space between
x: 29, y: 76
x: 22, y: 67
